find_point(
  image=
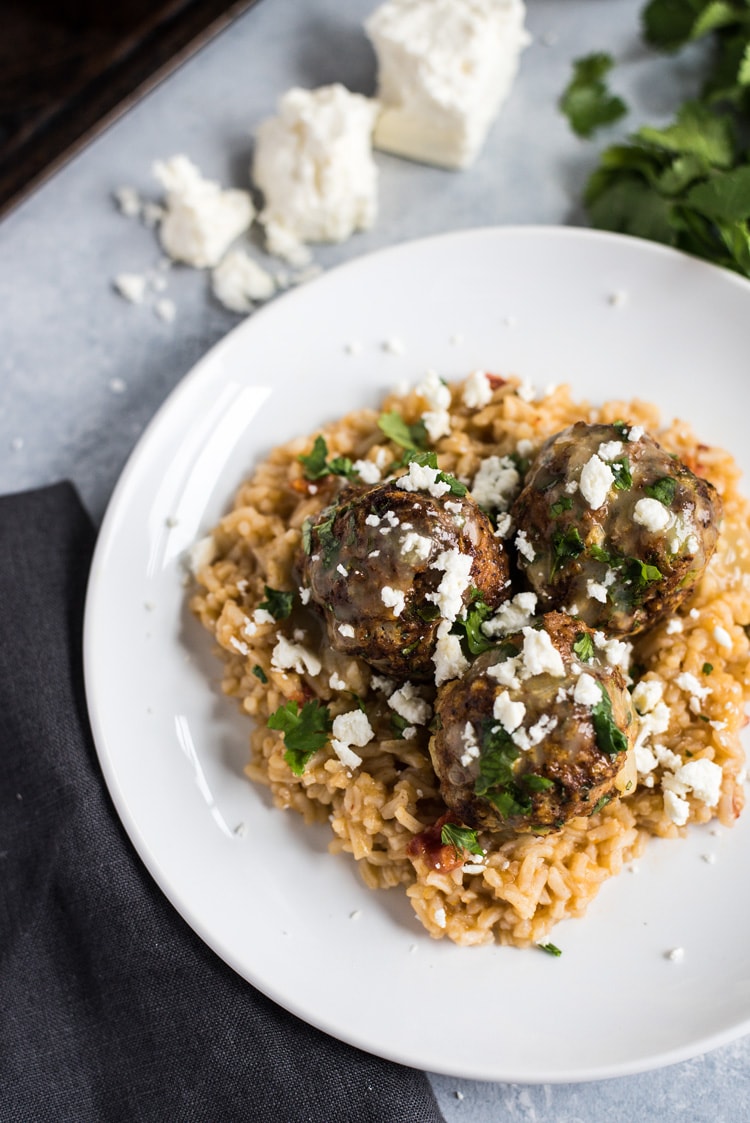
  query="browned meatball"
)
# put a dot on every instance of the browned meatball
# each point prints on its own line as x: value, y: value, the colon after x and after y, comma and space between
x: 613, y: 528
x: 538, y: 731
x: 376, y: 561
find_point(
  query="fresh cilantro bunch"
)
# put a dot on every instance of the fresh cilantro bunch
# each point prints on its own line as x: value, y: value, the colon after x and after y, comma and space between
x: 586, y: 102
x: 686, y: 185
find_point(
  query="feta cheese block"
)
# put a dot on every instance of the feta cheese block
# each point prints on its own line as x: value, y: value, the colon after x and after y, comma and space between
x: 313, y: 162
x: 200, y: 220
x: 444, y: 69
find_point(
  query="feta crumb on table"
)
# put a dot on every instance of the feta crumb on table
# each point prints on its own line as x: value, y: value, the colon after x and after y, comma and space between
x: 238, y: 282
x: 200, y: 219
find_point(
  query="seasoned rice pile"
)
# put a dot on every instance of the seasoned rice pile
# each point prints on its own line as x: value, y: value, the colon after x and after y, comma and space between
x: 522, y: 887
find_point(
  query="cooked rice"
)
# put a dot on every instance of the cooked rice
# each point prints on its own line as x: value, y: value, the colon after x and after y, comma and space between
x: 528, y: 883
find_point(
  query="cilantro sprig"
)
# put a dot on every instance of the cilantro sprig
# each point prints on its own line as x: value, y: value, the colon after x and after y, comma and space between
x: 305, y: 731
x: 470, y: 627
x: 278, y: 603
x: 401, y: 433
x: 583, y: 647
x: 609, y: 737
x: 686, y: 184
x: 316, y: 464
x: 586, y: 101
x: 460, y: 838
x: 663, y: 490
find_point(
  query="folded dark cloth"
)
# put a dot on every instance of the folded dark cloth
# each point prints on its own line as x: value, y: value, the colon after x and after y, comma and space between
x: 111, y: 1007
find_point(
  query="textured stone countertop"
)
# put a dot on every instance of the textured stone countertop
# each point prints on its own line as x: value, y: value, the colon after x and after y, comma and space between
x: 82, y: 371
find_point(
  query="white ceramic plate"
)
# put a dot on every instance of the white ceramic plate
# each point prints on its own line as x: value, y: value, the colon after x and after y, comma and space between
x: 272, y: 903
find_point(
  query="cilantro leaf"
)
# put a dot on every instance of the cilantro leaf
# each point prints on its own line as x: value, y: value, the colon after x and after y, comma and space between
x: 600, y: 803
x: 279, y: 604
x: 663, y: 490
x: 402, y: 434
x: 609, y: 737
x: 621, y: 471
x: 707, y: 668
x: 460, y: 838
x: 316, y: 463
x: 584, y: 647
x: 564, y: 546
x: 536, y: 783
x: 260, y: 673
x: 471, y: 625
x: 586, y: 101
x: 305, y: 731
x: 561, y: 505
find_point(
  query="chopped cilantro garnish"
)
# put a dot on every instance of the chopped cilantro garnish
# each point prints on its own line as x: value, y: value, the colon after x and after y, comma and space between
x: 316, y: 463
x: 599, y: 554
x: 609, y: 737
x: 663, y: 490
x: 584, y: 647
x: 398, y: 725
x: 277, y: 603
x: 621, y: 470
x: 551, y: 949
x: 601, y: 802
x: 460, y: 838
x: 328, y: 542
x: 260, y: 673
x: 402, y: 434
x: 561, y: 505
x: 305, y: 731
x: 707, y: 668
x: 477, y: 612
x: 586, y: 102
x: 565, y: 545
x: 496, y: 779
x: 622, y: 428
x: 537, y: 783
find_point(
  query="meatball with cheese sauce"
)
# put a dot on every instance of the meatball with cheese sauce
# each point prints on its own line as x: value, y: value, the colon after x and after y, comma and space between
x: 392, y: 566
x: 612, y: 528
x: 538, y: 732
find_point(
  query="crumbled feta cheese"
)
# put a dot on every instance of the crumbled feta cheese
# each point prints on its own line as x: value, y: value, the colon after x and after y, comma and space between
x: 393, y: 598
x: 507, y: 673
x: 263, y: 616
x: 132, y: 286
x: 369, y: 473
x: 609, y: 450
x: 129, y: 201
x: 313, y: 162
x: 440, y: 919
x: 477, y: 391
x: 342, y: 570
x: 510, y: 714
x: 448, y: 658
x: 165, y: 309
x: 200, y: 220
x: 437, y: 418
x: 504, y: 526
x: 704, y: 778
x: 346, y: 630
x: 448, y: 596
x: 596, y: 480
x: 394, y: 346
x: 444, y: 69
x: 587, y: 692
x: 354, y: 728
x: 304, y: 595
x: 524, y: 547
x: 722, y: 637
x: 471, y: 745
x: 384, y: 685
x: 496, y: 483
x: 202, y: 553
x: 423, y: 478
x: 677, y: 808
x: 372, y: 520
x: 239, y: 646
x: 675, y: 954
x: 515, y: 614
x: 408, y: 704
x: 415, y: 548
x: 690, y: 684
x: 617, y: 653
x: 646, y: 695
x: 597, y: 590
x: 540, y: 656
x: 346, y: 755
x: 288, y: 656
x: 651, y: 514
x: 238, y: 282
x: 674, y: 626
x: 336, y: 682
x: 526, y: 392
x: 635, y: 433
